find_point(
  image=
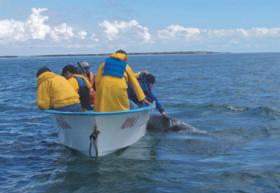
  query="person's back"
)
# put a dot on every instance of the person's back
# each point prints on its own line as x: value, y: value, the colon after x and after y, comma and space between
x: 80, y: 84
x: 111, y: 84
x: 84, y: 91
x: 54, y: 91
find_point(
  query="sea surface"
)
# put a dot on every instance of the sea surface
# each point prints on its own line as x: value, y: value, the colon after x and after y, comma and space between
x: 233, y: 98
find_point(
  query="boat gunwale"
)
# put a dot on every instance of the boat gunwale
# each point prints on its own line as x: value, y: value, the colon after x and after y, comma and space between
x: 91, y: 113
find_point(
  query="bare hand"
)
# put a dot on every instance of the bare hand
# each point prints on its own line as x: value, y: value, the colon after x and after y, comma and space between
x: 147, y: 102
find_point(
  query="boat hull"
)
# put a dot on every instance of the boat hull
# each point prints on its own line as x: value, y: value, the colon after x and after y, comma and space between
x: 113, y: 131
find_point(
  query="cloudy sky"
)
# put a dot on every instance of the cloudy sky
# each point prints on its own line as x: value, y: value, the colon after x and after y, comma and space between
x: 32, y: 27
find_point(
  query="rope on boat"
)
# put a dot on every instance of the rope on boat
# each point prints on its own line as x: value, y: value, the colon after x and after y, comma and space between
x: 93, y: 142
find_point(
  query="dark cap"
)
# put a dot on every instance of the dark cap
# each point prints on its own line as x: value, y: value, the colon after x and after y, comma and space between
x: 70, y: 68
x: 121, y: 51
x: 42, y: 70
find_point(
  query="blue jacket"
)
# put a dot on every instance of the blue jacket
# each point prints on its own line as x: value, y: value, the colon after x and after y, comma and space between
x: 148, y: 92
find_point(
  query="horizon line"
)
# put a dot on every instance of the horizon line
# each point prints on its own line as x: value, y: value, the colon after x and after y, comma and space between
x: 134, y: 53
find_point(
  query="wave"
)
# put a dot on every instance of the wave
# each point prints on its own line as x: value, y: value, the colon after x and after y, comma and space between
x: 246, y: 134
x: 261, y: 110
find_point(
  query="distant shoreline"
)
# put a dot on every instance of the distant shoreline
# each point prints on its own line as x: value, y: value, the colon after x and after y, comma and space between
x: 9, y: 56
x: 106, y: 54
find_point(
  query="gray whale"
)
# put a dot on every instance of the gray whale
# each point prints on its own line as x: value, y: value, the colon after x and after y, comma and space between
x: 160, y: 123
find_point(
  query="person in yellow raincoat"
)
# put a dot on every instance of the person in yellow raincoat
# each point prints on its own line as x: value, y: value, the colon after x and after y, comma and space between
x: 80, y: 84
x: 55, y: 92
x: 111, y: 82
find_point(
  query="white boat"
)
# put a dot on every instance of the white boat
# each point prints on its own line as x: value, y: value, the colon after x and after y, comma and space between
x: 101, y: 133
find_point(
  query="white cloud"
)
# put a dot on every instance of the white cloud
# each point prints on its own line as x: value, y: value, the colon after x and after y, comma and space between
x: 114, y: 30
x: 239, y: 32
x: 79, y: 46
x: 173, y: 31
x: 82, y: 34
x: 94, y: 38
x: 12, y: 30
x: 34, y: 28
x: 190, y: 33
x: 35, y: 31
x: 62, y: 32
x: 261, y: 32
x: 245, y: 33
x: 35, y: 25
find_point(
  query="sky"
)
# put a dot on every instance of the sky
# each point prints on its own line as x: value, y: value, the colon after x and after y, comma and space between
x: 37, y: 27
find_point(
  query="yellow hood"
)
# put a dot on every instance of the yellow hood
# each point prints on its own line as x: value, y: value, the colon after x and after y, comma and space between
x: 119, y: 56
x: 45, y: 76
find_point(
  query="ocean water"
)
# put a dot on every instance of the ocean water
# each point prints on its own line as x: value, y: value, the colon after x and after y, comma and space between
x: 234, y: 98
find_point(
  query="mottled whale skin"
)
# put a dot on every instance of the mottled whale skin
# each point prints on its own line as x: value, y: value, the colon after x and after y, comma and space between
x: 158, y: 123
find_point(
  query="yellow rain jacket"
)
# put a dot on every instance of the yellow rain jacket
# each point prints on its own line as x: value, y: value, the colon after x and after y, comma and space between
x: 54, y: 91
x: 111, y: 92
